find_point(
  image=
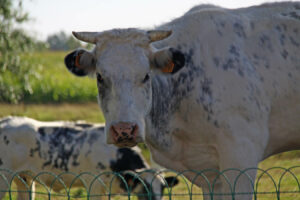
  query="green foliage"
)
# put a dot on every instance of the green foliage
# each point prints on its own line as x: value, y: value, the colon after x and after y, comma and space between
x: 14, y: 74
x: 27, y: 77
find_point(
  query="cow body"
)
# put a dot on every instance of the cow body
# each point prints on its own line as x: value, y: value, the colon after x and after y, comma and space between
x: 235, y: 102
x: 237, y: 97
x: 31, y: 146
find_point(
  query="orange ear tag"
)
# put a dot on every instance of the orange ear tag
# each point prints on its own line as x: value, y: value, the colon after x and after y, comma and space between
x: 169, y: 67
x: 77, y: 60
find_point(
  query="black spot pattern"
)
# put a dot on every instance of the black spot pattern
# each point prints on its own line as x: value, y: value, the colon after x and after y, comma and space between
x: 100, y: 166
x: 93, y: 136
x: 167, y: 94
x: 294, y: 42
x: 265, y: 42
x: 294, y: 15
x: 216, y: 61
x: 238, y: 28
x: 83, y: 125
x: 6, y: 141
x: 284, y: 54
x: 168, y: 97
x: 259, y: 60
x: 36, y: 149
x: 282, y: 39
x: 127, y: 159
x: 233, y: 61
x: 64, y: 146
x: 205, y: 97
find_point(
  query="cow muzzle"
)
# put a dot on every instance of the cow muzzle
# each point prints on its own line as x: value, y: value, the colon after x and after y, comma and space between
x: 124, y: 134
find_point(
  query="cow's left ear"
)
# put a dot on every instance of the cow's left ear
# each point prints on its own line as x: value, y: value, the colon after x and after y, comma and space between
x: 80, y: 62
x: 131, y: 181
x: 167, y: 60
x: 171, y: 181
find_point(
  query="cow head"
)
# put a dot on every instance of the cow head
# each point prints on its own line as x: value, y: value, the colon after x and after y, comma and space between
x: 148, y: 184
x: 124, y: 61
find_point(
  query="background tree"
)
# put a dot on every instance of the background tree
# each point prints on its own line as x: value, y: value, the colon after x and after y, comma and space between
x: 14, y: 74
x: 62, y: 41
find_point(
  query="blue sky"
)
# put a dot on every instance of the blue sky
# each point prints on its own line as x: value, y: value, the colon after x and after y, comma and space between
x: 51, y: 16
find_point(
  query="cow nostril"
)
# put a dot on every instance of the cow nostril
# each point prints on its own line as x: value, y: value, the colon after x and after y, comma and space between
x: 119, y: 139
x: 133, y: 128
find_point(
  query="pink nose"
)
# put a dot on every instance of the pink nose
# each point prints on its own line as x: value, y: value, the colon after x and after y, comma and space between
x: 124, y: 134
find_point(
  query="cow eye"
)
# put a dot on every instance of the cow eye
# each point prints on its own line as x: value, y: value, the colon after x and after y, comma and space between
x: 147, y: 77
x: 99, y: 78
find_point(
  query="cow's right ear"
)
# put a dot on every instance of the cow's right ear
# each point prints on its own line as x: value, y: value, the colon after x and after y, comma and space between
x: 167, y: 60
x: 80, y: 62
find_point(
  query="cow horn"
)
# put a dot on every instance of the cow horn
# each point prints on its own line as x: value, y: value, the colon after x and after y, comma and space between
x: 157, y: 35
x: 90, y: 37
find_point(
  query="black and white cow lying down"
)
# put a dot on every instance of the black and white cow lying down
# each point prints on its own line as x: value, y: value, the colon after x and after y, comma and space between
x: 34, y: 146
x: 213, y: 89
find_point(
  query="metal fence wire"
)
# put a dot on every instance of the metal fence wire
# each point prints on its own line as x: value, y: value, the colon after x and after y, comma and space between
x: 275, y: 183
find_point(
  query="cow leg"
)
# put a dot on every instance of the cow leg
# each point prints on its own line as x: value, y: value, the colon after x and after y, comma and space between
x: 236, y: 190
x: 240, y: 148
x: 3, y: 187
x: 235, y: 183
x: 97, y: 190
x: 4, y: 184
x: 33, y: 191
x: 24, y: 195
x: 217, y: 189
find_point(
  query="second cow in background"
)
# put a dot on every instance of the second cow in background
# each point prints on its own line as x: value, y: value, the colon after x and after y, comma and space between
x: 33, y: 146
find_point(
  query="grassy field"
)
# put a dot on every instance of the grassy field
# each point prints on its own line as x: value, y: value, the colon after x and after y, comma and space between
x: 56, y: 84
x: 49, y: 112
x: 91, y: 112
x: 50, y: 81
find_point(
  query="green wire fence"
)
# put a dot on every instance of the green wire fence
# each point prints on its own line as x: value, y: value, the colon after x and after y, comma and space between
x: 275, y: 183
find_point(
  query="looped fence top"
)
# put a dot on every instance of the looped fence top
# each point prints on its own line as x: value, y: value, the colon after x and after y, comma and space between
x: 275, y: 183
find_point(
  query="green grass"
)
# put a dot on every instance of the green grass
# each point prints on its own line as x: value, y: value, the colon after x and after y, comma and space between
x: 50, y: 80
x: 56, y: 83
x: 51, y: 112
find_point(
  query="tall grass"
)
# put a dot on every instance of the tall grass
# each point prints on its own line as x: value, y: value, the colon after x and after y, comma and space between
x: 53, y: 83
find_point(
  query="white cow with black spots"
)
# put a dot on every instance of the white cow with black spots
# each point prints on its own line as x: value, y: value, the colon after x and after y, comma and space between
x: 31, y: 146
x: 216, y: 88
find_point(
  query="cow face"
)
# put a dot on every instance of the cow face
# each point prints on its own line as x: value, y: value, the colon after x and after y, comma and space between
x: 124, y: 62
